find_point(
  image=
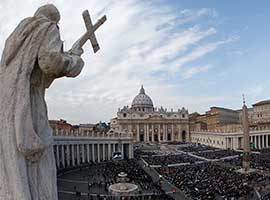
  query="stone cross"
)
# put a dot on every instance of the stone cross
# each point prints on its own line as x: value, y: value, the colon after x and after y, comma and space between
x: 90, y: 33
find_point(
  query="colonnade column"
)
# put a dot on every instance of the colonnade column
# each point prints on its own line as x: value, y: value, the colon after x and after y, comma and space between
x: 251, y: 139
x: 122, y: 150
x: 259, y: 142
x: 103, y: 151
x: 83, y: 153
x: 57, y: 156
x: 93, y: 153
x: 109, y: 151
x: 78, y: 155
x: 88, y: 152
x: 68, y: 154
x: 72, y: 155
x: 255, y: 142
x: 98, y: 152
x: 267, y: 141
x: 63, y: 156
x: 263, y: 141
x: 132, y: 150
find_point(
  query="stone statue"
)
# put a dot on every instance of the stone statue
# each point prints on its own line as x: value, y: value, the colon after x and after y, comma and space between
x: 33, y: 57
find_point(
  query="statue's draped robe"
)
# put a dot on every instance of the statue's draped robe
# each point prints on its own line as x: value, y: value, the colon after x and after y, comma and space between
x: 33, y: 57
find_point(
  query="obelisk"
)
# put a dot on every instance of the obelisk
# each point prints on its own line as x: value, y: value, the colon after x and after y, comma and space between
x: 246, y: 147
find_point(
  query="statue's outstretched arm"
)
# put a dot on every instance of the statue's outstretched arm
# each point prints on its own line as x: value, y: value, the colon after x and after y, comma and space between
x: 53, y: 61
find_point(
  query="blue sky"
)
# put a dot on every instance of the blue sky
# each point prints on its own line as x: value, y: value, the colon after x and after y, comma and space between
x: 238, y: 67
x: 188, y: 53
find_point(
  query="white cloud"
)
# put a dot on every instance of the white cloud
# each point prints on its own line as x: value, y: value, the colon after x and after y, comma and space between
x: 138, y: 39
x: 194, y: 70
x: 199, y: 52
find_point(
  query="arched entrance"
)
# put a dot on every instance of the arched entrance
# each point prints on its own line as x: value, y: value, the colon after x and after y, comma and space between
x: 169, y: 137
x: 141, y: 137
x: 184, y: 136
x: 156, y: 138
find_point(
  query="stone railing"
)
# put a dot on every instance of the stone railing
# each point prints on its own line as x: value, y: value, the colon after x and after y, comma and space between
x: 235, y: 130
x: 111, y: 134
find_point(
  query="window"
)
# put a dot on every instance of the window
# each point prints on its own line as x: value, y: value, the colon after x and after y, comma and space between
x: 183, y: 115
x: 125, y: 115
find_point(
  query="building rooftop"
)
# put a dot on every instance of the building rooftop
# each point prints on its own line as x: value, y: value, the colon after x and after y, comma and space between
x: 260, y: 103
x: 87, y: 125
x: 221, y: 108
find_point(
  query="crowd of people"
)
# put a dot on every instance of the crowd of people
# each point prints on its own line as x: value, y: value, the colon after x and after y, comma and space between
x: 130, y: 197
x: 170, y: 159
x: 218, y: 154
x: 209, y: 181
x: 109, y: 172
x: 266, y: 196
x: 193, y: 148
x: 138, y: 153
x: 101, y: 175
x: 197, y: 180
x: 257, y: 161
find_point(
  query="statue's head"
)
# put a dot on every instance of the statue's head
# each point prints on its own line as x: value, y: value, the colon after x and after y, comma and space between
x: 49, y: 11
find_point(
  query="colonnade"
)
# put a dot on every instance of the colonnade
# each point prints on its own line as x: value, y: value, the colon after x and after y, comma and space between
x: 232, y: 140
x: 75, y: 153
x: 256, y: 141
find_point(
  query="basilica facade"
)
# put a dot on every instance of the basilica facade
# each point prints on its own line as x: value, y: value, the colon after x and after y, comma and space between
x: 150, y: 124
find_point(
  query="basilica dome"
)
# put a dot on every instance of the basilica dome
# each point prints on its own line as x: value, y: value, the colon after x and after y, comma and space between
x: 142, y: 101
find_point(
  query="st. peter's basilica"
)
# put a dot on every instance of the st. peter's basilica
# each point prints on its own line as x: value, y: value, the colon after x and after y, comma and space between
x: 150, y: 124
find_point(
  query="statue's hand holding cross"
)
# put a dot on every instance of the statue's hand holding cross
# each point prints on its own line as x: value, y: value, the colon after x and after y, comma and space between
x: 89, y: 35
